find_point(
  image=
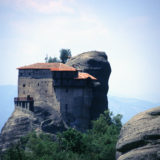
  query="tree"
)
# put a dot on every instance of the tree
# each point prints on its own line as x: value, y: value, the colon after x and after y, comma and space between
x: 71, y: 140
x: 46, y: 58
x: 51, y: 60
x: 65, y: 54
x: 101, y: 140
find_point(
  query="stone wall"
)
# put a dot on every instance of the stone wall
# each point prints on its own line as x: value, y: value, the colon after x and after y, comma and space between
x: 64, y: 74
x: 41, y: 90
x: 35, y: 73
x: 75, y: 105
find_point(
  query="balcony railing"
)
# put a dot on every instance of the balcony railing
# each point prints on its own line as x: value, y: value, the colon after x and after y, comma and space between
x: 23, y: 99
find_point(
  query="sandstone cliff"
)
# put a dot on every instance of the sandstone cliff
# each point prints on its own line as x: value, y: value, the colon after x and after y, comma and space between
x: 95, y: 63
x: 140, y: 137
x: 45, y: 118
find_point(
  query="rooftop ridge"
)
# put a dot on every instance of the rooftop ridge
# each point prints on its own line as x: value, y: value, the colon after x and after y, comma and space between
x: 52, y: 66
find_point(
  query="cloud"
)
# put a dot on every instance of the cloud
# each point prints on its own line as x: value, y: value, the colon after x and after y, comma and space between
x: 41, y: 6
x: 51, y: 34
x: 60, y: 27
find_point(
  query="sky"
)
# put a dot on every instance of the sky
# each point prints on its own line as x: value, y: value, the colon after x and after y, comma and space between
x: 127, y: 30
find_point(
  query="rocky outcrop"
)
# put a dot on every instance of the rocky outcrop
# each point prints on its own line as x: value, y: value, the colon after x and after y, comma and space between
x: 95, y: 63
x: 140, y: 137
x: 46, y: 118
x: 21, y: 122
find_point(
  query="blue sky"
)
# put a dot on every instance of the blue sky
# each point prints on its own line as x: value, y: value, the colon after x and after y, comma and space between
x: 127, y: 30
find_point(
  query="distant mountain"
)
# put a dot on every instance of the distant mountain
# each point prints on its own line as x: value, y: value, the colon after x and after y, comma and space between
x: 7, y: 94
x: 128, y: 107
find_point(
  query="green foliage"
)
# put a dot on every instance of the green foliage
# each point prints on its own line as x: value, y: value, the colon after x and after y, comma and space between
x: 102, y: 138
x: 65, y: 54
x: 14, y: 153
x: 71, y: 140
x: 51, y: 60
x: 97, y: 143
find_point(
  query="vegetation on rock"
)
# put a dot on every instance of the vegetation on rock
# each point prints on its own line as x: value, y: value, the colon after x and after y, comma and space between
x: 65, y: 54
x: 51, y: 60
x: 98, y: 143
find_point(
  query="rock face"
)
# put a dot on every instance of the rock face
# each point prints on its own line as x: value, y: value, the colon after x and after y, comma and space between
x: 44, y: 119
x: 17, y: 125
x: 95, y: 63
x: 140, y: 137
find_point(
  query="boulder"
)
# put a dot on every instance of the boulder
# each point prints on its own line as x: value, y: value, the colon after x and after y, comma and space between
x: 95, y: 63
x: 140, y: 137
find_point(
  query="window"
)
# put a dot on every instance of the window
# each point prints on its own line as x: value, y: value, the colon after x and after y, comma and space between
x: 38, y: 84
x: 23, y: 104
x: 24, y: 85
x: 66, y: 108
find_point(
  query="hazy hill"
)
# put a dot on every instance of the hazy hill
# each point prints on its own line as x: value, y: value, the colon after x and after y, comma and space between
x: 128, y: 107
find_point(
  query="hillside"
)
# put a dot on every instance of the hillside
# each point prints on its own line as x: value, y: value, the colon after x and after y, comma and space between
x: 128, y: 107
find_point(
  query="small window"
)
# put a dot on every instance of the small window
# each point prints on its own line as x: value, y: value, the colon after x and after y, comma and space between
x: 38, y: 84
x: 24, y: 85
x: 23, y: 92
x: 66, y: 108
x: 23, y: 104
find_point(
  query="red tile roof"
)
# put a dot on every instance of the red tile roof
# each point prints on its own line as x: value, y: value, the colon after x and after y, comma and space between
x: 82, y: 75
x: 51, y: 66
x: 57, y: 67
